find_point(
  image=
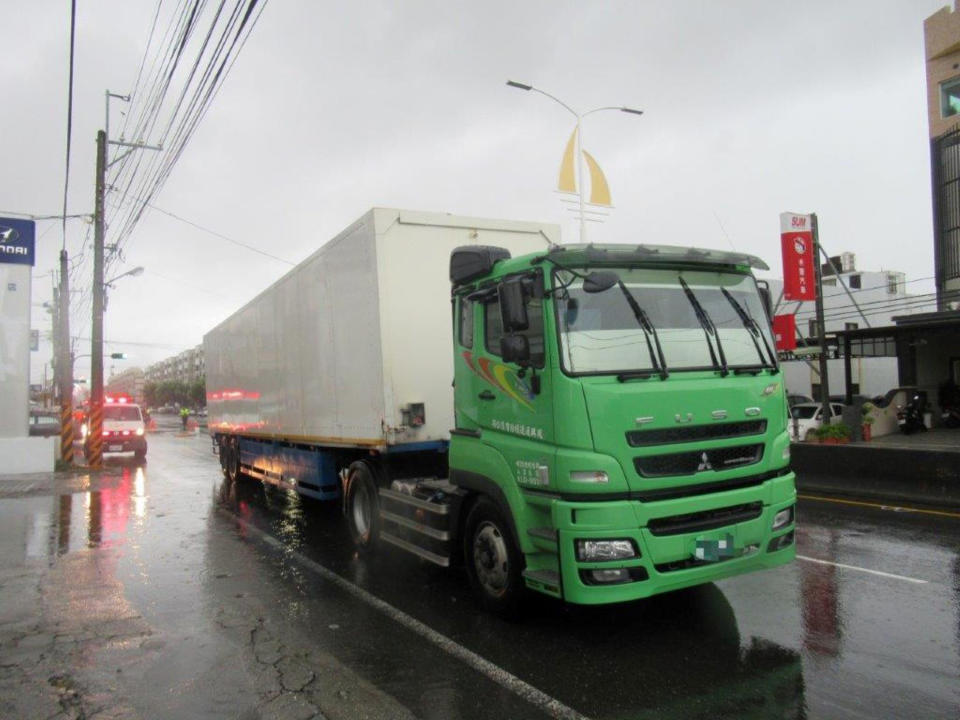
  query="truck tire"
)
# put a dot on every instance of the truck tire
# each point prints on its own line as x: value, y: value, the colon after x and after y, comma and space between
x: 140, y: 456
x: 493, y: 561
x: 362, y: 507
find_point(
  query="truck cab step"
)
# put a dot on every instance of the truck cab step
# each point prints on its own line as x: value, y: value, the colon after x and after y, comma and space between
x: 441, y: 560
x: 545, y: 580
x: 405, y: 499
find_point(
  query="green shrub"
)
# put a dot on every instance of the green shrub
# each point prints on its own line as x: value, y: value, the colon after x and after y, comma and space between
x: 839, y: 431
x: 867, y: 412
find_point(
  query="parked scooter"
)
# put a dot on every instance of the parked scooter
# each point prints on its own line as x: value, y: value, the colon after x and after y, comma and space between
x: 949, y: 401
x: 910, y: 417
x: 950, y: 416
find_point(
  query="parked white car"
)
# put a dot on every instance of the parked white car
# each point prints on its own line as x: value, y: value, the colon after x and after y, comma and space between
x: 805, y: 417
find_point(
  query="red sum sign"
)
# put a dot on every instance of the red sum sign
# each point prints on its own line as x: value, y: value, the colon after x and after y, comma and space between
x: 796, y: 246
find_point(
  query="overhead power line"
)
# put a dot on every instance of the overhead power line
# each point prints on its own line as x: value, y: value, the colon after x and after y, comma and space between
x: 176, y: 96
x: 221, y: 235
x: 66, y: 173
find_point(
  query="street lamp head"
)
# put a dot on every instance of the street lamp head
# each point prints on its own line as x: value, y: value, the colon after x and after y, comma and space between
x: 631, y: 111
x: 519, y: 86
x: 131, y: 273
x: 139, y: 269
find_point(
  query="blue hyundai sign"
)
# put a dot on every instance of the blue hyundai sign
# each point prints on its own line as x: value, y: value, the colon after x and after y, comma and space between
x: 16, y: 241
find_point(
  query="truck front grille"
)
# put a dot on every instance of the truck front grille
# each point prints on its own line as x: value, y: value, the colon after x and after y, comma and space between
x: 706, y: 520
x: 714, y: 431
x: 690, y: 462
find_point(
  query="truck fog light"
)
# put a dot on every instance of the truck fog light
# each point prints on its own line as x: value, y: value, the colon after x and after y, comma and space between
x: 784, y: 541
x: 594, y: 477
x: 605, y: 550
x: 783, y: 518
x: 608, y: 576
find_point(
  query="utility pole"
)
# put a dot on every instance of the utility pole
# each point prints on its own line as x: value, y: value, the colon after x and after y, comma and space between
x: 65, y: 363
x: 95, y: 435
x: 821, y: 330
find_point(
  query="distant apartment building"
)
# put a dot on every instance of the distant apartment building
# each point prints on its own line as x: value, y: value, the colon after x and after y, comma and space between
x: 186, y: 367
x: 128, y: 382
x: 874, y: 298
x: 941, y: 32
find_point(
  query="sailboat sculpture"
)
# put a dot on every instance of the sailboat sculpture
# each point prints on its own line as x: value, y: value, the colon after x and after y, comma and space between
x: 599, y: 188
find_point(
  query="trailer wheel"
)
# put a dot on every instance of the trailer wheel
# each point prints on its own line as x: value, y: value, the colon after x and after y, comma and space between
x: 493, y: 562
x: 361, y: 507
x: 232, y: 453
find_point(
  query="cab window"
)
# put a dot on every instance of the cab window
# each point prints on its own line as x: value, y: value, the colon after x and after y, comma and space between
x: 466, y: 323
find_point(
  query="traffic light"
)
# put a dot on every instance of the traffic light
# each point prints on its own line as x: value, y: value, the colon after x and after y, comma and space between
x: 118, y: 356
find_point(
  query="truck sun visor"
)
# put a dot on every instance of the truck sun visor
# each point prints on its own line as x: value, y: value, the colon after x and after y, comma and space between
x: 470, y: 262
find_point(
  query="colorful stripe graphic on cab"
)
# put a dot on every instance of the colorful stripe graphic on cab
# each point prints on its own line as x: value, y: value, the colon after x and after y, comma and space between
x: 501, y: 377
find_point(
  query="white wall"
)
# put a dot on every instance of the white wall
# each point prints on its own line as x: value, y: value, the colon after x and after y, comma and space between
x: 14, y: 349
x: 875, y: 375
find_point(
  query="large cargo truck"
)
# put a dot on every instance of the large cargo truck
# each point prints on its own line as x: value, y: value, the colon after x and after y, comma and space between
x: 616, y: 425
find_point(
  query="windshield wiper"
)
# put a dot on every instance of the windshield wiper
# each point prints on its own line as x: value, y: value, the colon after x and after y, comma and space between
x: 751, y: 325
x: 708, y: 329
x: 659, y: 364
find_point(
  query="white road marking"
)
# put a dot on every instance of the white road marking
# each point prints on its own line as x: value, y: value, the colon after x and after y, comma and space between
x: 866, y: 570
x: 502, y: 677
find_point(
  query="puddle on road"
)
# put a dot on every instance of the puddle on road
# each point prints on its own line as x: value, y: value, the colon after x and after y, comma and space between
x: 60, y: 524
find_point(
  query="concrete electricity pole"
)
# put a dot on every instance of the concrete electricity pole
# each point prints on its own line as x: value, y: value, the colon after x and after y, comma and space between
x: 95, y: 424
x: 65, y: 363
x: 95, y: 436
x: 821, y: 330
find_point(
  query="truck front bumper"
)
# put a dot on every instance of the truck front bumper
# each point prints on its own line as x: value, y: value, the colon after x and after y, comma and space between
x: 678, y: 543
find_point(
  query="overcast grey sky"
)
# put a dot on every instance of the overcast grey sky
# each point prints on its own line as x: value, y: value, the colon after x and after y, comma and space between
x: 751, y: 108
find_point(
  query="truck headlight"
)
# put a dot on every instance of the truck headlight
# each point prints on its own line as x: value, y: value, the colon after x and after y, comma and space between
x: 139, y: 431
x: 594, y: 477
x: 783, y: 518
x: 605, y: 550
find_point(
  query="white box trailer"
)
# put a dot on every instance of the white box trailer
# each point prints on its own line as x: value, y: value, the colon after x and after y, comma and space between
x: 353, y: 347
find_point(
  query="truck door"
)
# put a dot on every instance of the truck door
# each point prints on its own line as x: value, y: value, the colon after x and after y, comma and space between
x: 514, y: 405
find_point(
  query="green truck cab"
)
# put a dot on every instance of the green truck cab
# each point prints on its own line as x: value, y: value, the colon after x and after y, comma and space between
x: 621, y: 415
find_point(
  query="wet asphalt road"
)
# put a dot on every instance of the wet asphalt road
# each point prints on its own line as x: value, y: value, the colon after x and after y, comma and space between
x: 865, y: 624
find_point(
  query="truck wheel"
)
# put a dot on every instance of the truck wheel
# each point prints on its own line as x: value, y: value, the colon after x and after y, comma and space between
x: 494, y: 563
x: 362, y: 508
x: 140, y: 456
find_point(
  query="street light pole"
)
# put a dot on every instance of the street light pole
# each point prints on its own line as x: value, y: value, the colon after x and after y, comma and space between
x: 578, y: 146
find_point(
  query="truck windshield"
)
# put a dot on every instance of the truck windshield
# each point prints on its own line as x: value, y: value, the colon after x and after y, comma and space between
x: 599, y: 333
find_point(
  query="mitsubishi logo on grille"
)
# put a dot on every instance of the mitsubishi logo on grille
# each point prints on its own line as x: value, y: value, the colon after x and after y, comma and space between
x: 704, y: 463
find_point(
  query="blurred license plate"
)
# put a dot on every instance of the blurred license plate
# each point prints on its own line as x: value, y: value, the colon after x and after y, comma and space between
x: 901, y: 421
x: 115, y: 448
x: 715, y: 549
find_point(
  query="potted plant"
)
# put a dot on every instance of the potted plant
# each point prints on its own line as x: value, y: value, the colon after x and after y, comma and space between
x: 867, y: 418
x: 838, y: 434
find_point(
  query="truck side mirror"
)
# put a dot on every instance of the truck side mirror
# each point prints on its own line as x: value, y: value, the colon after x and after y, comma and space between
x: 515, y: 349
x: 598, y: 282
x: 513, y: 308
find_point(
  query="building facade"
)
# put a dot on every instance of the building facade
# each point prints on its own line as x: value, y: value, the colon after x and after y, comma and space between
x: 129, y: 382
x: 186, y: 367
x: 874, y: 299
x: 941, y: 32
